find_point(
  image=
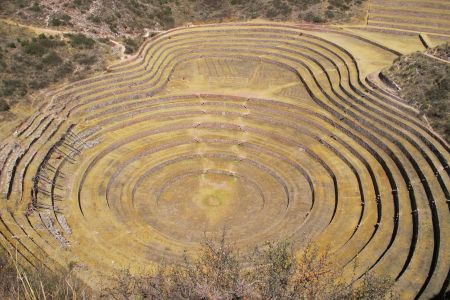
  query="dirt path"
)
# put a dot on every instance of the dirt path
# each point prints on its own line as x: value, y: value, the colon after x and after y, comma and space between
x: 38, y: 30
x: 121, y: 48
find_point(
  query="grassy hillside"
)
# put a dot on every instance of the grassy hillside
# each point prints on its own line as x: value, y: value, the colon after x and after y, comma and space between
x: 424, y: 82
x: 30, y: 62
x: 133, y: 16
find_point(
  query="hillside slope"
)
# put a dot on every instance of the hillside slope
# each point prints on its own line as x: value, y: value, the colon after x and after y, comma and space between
x: 424, y: 82
x: 130, y: 17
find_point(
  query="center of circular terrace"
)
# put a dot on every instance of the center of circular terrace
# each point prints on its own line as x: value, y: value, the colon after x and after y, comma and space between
x: 199, y: 201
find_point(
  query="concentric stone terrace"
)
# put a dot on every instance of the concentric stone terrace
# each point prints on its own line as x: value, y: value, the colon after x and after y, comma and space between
x: 268, y: 130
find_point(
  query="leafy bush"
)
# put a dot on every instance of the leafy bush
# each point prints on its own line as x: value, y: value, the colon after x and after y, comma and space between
x: 441, y: 51
x: 60, y: 20
x: 82, y: 4
x: 41, y: 45
x: 164, y: 14
x: 311, y: 17
x: 85, y: 59
x: 278, y: 7
x: 329, y: 14
x: 63, y: 70
x: 35, y: 7
x: 94, y: 19
x: 11, y: 86
x: 4, y: 106
x: 131, y: 45
x: 80, y: 40
x: 341, y: 4
x: 51, y: 58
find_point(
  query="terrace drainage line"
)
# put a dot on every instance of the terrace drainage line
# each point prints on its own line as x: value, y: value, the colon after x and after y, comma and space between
x: 411, y: 192
x: 296, y: 72
x: 312, y: 136
x: 352, y: 86
x: 428, y: 192
x: 426, y: 142
x: 360, y: 129
x: 398, y: 163
x: 132, y: 138
x: 19, y: 159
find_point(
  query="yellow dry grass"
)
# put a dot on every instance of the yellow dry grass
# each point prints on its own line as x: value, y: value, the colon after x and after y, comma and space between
x: 267, y: 129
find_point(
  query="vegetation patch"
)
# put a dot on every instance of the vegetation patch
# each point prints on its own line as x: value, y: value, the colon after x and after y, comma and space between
x: 29, y: 62
x: 424, y: 82
x: 39, y: 282
x: 132, y: 16
x: 269, y: 272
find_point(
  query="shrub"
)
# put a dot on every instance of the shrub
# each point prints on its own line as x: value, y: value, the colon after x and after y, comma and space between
x: 311, y: 17
x: 94, y: 19
x: 130, y: 45
x: 425, y: 83
x: 39, y: 83
x: 341, y: 4
x: 80, y: 40
x: 40, y: 46
x: 164, y: 14
x: 11, y: 86
x: 4, y: 106
x: 60, y: 20
x: 52, y: 58
x: 271, y: 13
x: 35, y: 7
x: 63, y: 70
x: 270, y: 272
x: 85, y: 59
x: 329, y: 14
x: 82, y: 4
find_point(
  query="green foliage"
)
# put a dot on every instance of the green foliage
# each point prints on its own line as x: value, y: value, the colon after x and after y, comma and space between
x: 41, y: 45
x: 303, y: 4
x: 80, y: 40
x: 4, y: 106
x: 425, y: 83
x: 64, y: 69
x: 313, y: 18
x: 329, y: 14
x: 94, y: 19
x: 35, y: 7
x: 85, y: 59
x: 131, y: 45
x: 164, y: 15
x: 12, y: 86
x: 82, y: 4
x: 60, y: 20
x: 51, y: 58
x: 341, y: 4
x: 278, y: 7
x: 38, y: 61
